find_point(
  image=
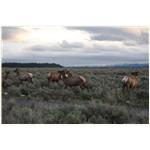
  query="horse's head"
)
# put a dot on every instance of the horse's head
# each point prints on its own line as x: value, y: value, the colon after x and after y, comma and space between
x: 17, y: 71
x: 65, y: 74
x: 68, y: 73
x: 62, y: 74
x: 7, y: 72
x: 135, y: 73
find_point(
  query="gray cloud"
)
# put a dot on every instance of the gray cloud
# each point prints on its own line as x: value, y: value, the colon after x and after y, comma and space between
x: 144, y: 38
x: 66, y: 44
x: 93, y: 29
x: 133, y: 50
x: 63, y: 46
x: 113, y: 34
x: 8, y: 33
x: 105, y: 37
x: 43, y: 48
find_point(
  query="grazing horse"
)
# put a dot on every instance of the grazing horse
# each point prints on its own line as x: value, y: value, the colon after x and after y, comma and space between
x: 130, y: 82
x: 73, y: 80
x: 24, y: 76
x: 5, y: 77
x: 54, y: 77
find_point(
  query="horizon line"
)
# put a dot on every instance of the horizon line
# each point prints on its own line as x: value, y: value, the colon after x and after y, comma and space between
x: 89, y: 65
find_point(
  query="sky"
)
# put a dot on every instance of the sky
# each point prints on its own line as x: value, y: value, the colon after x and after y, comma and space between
x: 75, y: 45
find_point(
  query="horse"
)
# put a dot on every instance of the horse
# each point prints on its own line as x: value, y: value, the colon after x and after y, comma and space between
x: 73, y: 80
x: 5, y: 77
x: 54, y: 77
x: 130, y: 82
x: 22, y: 76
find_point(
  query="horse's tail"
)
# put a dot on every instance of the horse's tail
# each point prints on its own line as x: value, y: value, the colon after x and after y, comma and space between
x: 125, y: 79
x: 83, y: 79
x: 30, y: 75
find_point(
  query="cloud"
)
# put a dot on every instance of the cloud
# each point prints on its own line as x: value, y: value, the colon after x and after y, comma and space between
x: 135, y: 34
x: 13, y: 33
x: 90, y: 29
x: 105, y: 37
x: 144, y: 38
x: 136, y: 30
x: 59, y: 47
x: 86, y: 45
x: 66, y: 44
x: 38, y: 48
x: 98, y: 30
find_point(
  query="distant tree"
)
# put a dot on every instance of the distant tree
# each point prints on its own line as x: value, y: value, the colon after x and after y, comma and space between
x: 32, y: 65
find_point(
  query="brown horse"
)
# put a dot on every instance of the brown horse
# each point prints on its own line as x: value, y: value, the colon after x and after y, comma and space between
x: 54, y: 77
x: 130, y: 82
x: 24, y: 76
x: 5, y: 77
x: 73, y: 80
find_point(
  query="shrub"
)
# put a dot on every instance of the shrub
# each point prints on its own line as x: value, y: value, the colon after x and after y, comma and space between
x: 14, y: 91
x: 73, y: 117
x: 43, y: 102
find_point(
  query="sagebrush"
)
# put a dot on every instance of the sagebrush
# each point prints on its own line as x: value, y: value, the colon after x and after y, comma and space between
x: 103, y: 102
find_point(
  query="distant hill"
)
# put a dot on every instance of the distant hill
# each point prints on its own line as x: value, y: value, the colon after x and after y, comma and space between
x: 131, y: 65
x: 32, y: 65
x: 114, y: 66
x: 54, y: 65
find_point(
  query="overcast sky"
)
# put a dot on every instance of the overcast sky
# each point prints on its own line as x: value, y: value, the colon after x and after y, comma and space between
x: 76, y: 46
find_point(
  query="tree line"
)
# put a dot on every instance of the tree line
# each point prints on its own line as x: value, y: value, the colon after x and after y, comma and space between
x: 32, y: 65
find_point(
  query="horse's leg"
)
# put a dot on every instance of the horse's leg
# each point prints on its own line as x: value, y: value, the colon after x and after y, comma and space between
x: 127, y: 90
x: 138, y: 86
x: 85, y: 86
x: 3, y: 84
x: 81, y: 86
x: 31, y: 80
x: 123, y: 88
x: 49, y: 80
x: 20, y: 81
x: 56, y: 82
x: 65, y: 87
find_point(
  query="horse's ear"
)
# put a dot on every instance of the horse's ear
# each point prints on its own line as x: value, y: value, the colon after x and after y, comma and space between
x: 135, y: 73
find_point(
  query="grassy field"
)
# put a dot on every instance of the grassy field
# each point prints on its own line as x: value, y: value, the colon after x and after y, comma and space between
x: 103, y: 103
